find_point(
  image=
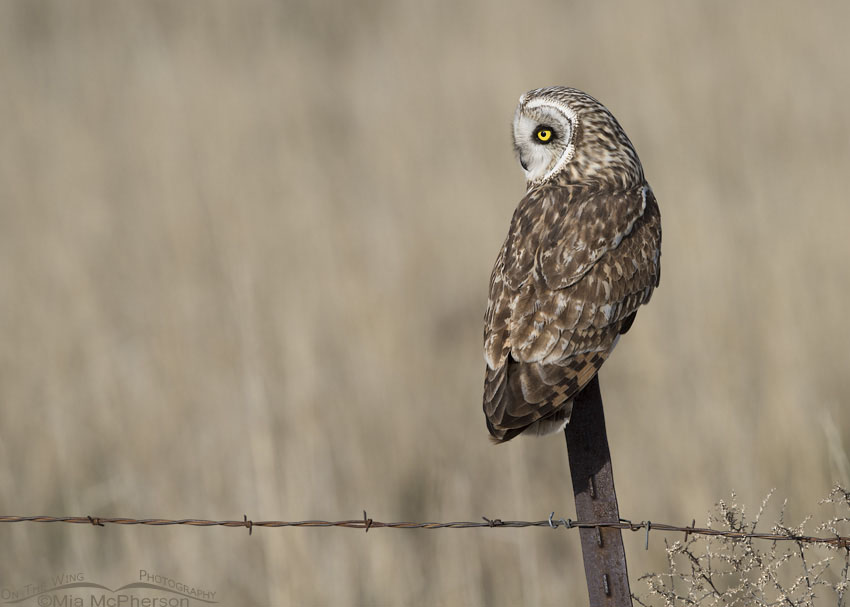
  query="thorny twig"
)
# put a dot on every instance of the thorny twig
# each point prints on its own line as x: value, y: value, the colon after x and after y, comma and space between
x: 731, y: 570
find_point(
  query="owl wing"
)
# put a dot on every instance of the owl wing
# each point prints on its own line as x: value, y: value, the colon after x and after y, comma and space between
x: 574, y: 268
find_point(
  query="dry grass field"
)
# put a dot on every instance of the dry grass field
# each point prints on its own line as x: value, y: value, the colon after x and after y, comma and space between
x: 244, y: 252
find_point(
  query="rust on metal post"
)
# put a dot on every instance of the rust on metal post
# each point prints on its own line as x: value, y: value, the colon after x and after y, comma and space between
x: 596, y: 500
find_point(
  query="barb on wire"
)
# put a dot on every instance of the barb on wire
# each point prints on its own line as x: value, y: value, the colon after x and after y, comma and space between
x: 366, y: 523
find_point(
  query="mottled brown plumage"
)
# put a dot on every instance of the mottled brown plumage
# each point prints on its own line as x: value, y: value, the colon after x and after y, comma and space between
x: 582, y: 254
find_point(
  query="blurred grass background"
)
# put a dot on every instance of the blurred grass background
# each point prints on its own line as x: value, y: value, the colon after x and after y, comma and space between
x: 244, y: 252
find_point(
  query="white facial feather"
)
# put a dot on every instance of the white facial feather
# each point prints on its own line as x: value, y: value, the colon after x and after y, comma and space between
x: 542, y: 160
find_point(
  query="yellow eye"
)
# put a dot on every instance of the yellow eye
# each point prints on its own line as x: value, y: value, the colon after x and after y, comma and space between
x: 544, y: 135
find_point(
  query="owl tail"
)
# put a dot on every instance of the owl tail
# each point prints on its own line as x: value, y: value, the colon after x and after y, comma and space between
x: 533, y: 397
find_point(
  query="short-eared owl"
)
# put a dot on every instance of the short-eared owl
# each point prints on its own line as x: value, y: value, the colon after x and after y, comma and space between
x: 582, y: 254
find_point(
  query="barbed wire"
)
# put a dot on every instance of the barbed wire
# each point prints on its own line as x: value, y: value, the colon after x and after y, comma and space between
x: 367, y: 523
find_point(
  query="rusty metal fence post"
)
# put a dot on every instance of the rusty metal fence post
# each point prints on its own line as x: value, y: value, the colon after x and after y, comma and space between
x: 596, y: 500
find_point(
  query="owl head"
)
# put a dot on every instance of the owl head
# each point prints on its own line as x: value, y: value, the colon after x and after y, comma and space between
x: 566, y: 136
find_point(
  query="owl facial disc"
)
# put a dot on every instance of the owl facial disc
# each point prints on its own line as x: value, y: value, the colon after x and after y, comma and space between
x: 543, y: 137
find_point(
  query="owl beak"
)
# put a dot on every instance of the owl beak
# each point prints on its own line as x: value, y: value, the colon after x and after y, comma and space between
x: 522, y: 164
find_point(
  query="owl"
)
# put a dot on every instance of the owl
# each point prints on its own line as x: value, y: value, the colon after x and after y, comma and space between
x: 581, y: 256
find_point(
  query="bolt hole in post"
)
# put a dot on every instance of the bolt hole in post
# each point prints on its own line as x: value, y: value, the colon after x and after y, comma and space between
x: 596, y: 500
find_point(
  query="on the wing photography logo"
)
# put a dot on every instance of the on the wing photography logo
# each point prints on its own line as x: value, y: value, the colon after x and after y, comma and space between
x: 74, y: 590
